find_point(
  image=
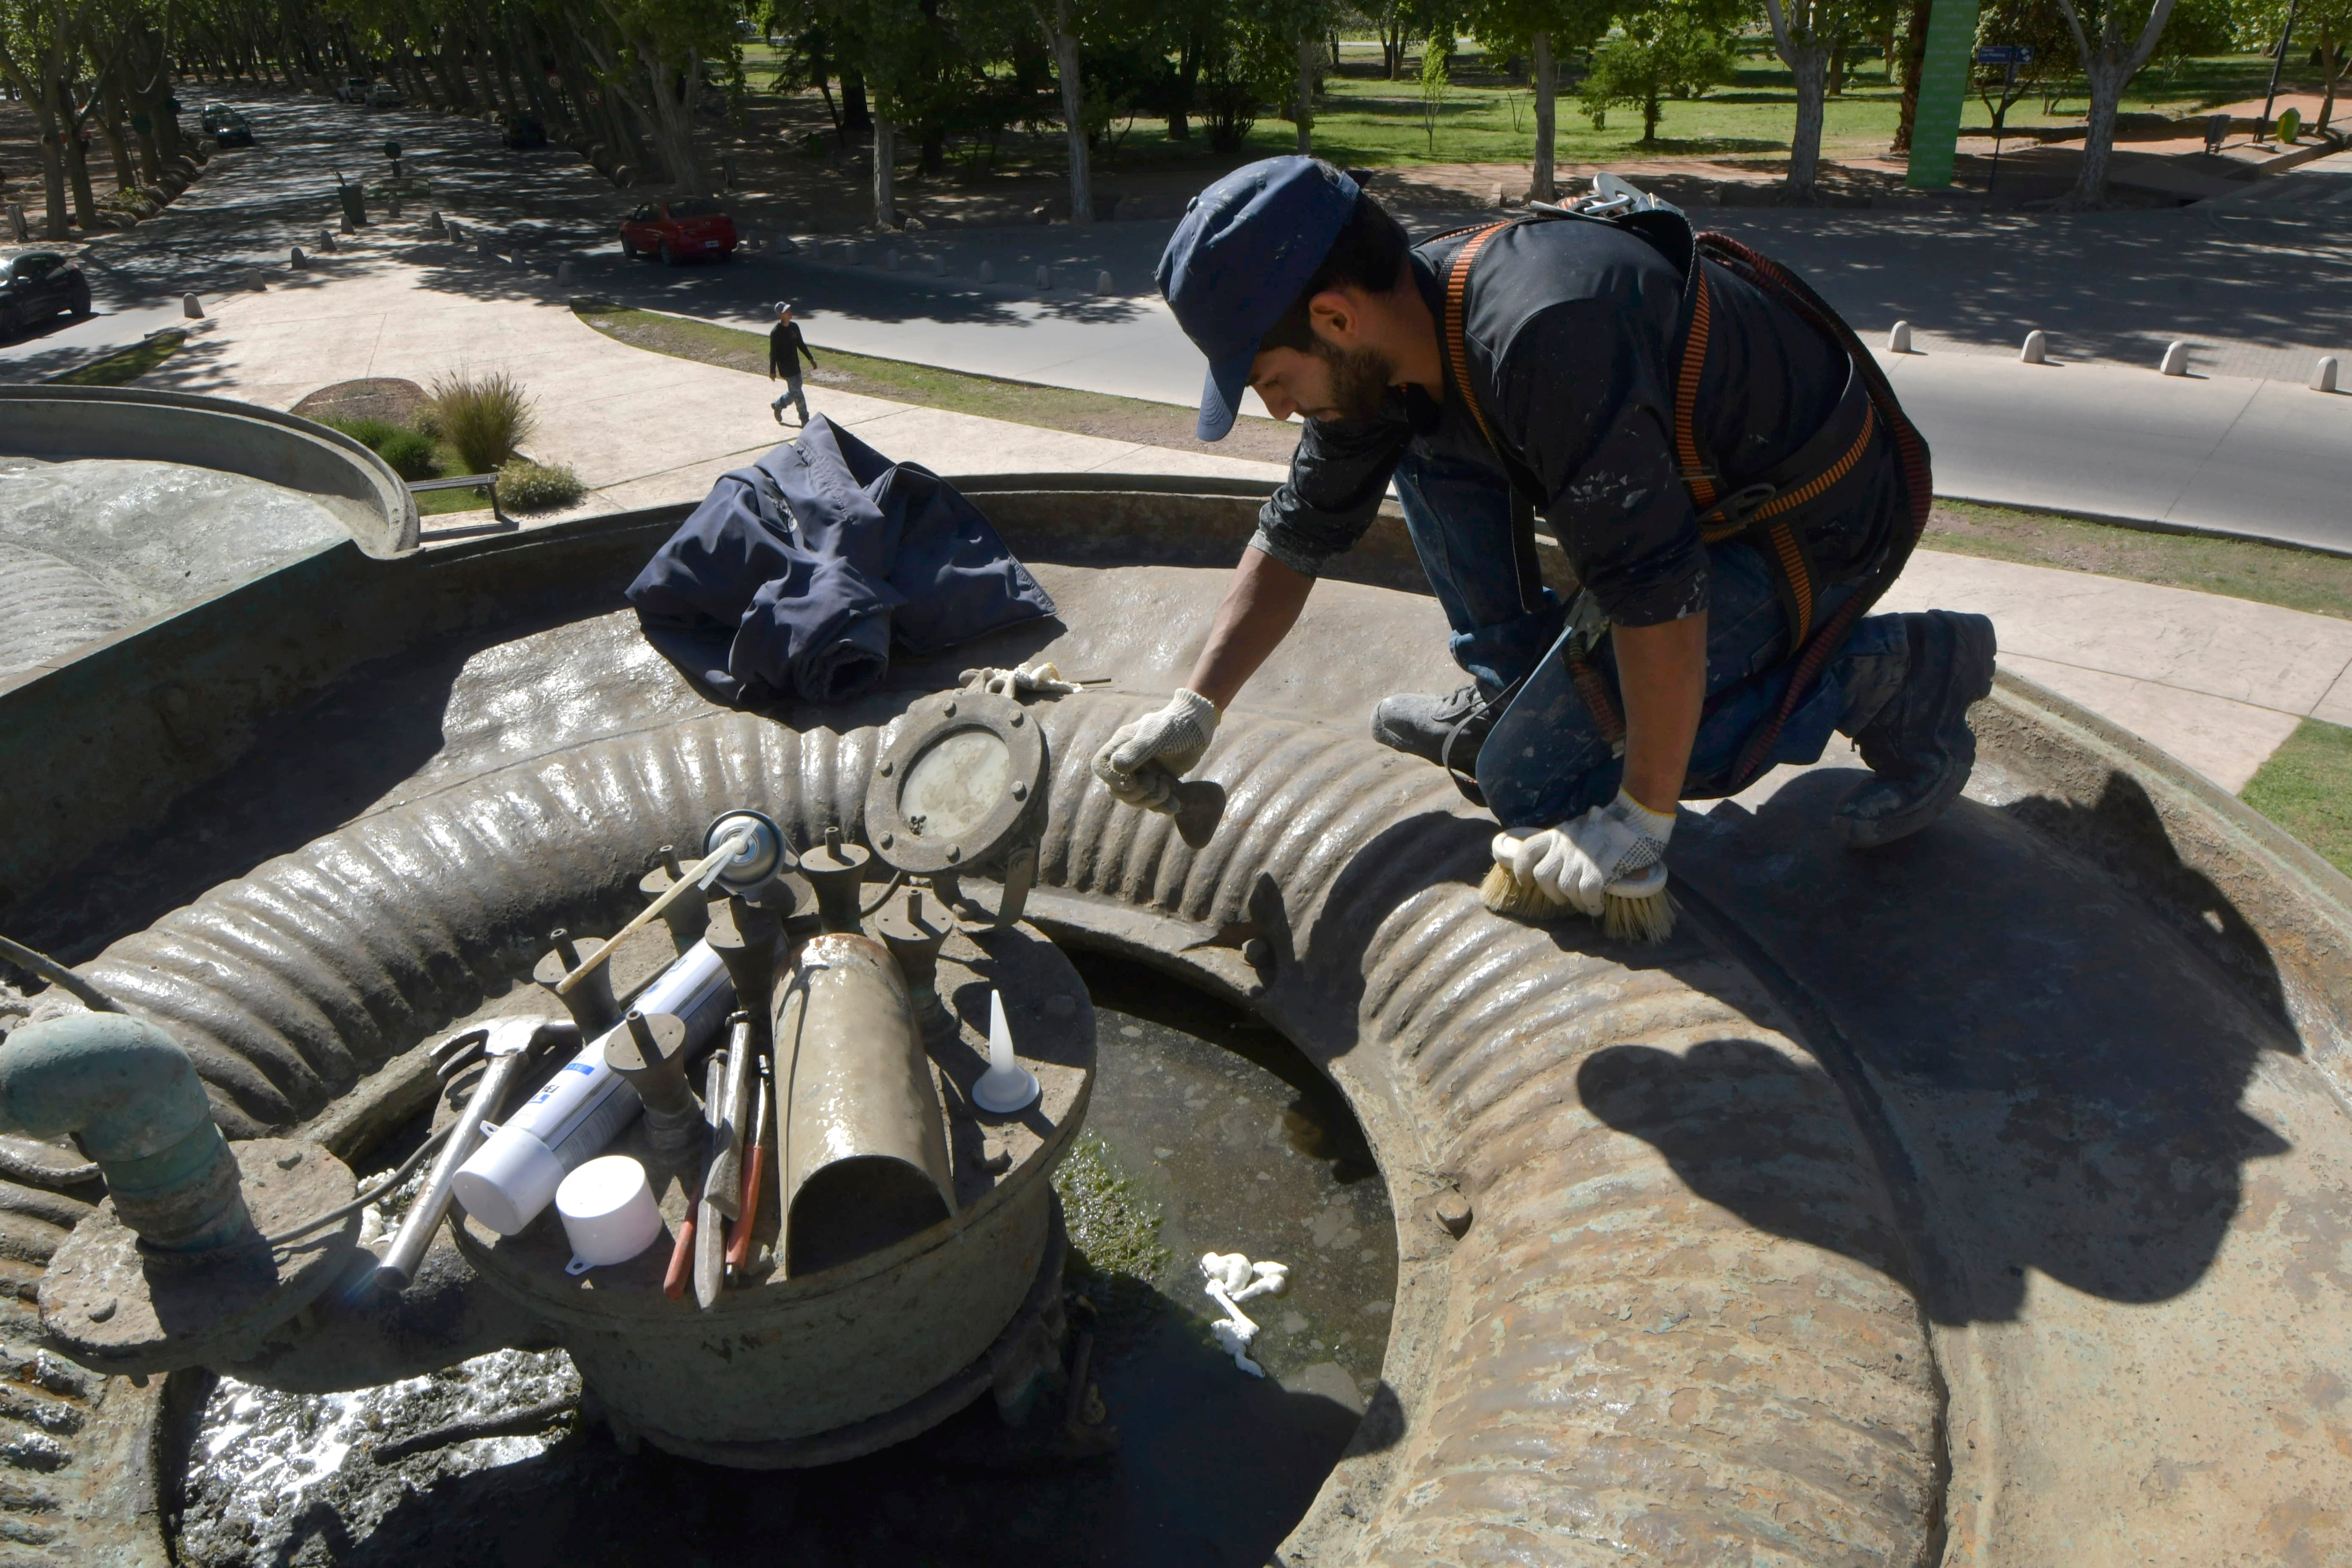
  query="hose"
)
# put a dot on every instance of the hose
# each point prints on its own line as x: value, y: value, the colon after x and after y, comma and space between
x: 400, y: 1173
x: 16, y: 1167
x: 57, y: 974
x: 883, y: 897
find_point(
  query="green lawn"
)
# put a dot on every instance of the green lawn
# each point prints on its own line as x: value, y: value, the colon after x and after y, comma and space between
x: 1362, y: 120
x: 2307, y: 788
x: 121, y: 369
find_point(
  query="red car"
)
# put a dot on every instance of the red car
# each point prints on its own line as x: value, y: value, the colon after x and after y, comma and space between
x: 678, y: 230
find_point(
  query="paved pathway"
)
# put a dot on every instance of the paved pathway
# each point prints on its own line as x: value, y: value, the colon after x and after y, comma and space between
x: 2218, y: 682
x: 2244, y: 447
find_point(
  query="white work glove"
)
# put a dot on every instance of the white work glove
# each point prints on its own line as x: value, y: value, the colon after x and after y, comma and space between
x: 1142, y: 762
x: 1619, y: 849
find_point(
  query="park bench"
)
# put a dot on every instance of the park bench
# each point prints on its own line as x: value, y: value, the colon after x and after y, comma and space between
x: 465, y: 481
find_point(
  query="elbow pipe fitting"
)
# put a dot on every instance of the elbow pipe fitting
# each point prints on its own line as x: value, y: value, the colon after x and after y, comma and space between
x: 131, y: 1096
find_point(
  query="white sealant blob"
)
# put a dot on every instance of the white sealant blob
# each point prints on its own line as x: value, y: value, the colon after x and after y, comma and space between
x: 1228, y: 1279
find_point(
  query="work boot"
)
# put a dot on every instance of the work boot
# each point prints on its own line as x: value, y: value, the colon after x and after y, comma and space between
x: 1421, y: 725
x: 1918, y: 743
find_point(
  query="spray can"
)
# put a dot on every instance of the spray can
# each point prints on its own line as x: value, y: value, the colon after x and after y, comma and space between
x: 581, y: 1110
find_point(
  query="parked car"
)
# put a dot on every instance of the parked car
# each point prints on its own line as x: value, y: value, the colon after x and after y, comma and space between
x: 679, y: 229
x: 384, y: 95
x: 353, y: 90
x: 37, y: 284
x: 226, y: 126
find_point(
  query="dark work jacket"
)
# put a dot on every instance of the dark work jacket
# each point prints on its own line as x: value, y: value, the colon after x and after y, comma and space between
x: 796, y: 575
x: 785, y: 349
x: 1574, y: 330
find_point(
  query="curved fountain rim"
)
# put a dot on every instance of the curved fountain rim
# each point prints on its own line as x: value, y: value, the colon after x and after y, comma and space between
x: 389, y: 498
x: 2297, y: 905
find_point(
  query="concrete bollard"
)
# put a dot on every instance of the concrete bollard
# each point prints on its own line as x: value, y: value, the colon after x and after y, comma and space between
x: 18, y: 229
x: 1045, y: 277
x: 192, y: 307
x: 455, y: 234
x: 890, y: 261
x: 1102, y: 282
x: 2175, y: 360
x: 1898, y: 338
x: 2323, y: 374
x: 348, y: 226
x: 988, y: 272
x: 298, y: 261
x: 434, y: 226
x: 254, y: 281
x: 482, y: 251
x: 563, y: 274
x: 391, y: 206
x: 2036, y: 350
x: 326, y: 241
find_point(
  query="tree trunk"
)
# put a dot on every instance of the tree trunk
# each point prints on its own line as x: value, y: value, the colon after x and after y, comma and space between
x: 1074, y: 101
x: 2108, y: 67
x: 1304, y: 116
x: 1836, y: 85
x: 85, y: 200
x: 1649, y: 111
x: 1545, y: 73
x: 1914, y: 49
x: 53, y: 160
x: 1809, y: 63
x: 1188, y: 76
x: 110, y: 121
x: 886, y: 159
x: 2106, y: 83
x: 855, y: 115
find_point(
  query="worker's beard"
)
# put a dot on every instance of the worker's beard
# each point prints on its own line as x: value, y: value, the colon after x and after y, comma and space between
x: 1359, y: 381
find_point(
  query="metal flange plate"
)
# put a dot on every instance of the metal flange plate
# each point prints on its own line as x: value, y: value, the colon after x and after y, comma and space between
x: 955, y: 776
x: 114, y: 1306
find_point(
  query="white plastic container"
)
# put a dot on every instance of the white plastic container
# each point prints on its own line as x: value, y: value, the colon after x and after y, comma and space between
x: 608, y: 1212
x: 581, y: 1110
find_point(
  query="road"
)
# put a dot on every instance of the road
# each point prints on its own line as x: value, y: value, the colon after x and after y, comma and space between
x: 2098, y: 432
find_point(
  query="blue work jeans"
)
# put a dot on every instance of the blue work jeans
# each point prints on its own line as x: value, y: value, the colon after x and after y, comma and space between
x: 1546, y: 760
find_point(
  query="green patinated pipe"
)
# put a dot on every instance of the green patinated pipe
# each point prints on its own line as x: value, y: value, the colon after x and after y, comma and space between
x: 131, y: 1096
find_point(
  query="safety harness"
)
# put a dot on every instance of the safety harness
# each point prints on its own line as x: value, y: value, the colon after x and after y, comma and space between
x: 1773, y: 510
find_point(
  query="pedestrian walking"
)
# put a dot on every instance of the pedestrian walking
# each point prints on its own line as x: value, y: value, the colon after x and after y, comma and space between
x: 786, y: 348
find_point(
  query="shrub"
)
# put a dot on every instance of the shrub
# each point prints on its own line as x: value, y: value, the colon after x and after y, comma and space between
x: 369, y: 433
x: 526, y: 485
x: 411, y: 454
x: 484, y: 417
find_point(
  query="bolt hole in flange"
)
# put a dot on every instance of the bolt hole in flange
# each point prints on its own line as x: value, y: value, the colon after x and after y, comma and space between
x: 1206, y: 1132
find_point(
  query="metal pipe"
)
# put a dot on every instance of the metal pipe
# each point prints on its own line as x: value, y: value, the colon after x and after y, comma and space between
x: 650, y: 1053
x: 591, y: 1005
x: 836, y: 870
x: 508, y: 1047
x: 131, y: 1096
x: 863, y: 1153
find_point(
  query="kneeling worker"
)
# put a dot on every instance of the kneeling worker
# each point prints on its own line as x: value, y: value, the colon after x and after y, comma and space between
x: 1722, y: 463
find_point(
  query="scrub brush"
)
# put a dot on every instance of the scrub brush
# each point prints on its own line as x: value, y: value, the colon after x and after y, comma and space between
x: 1635, y: 910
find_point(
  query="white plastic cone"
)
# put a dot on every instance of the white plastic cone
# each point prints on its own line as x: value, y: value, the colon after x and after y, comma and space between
x: 1007, y: 1086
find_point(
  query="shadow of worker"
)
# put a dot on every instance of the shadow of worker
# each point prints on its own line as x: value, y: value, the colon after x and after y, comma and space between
x: 2051, y: 1061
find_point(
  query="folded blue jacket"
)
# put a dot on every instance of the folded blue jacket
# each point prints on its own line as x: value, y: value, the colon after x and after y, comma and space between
x: 796, y: 576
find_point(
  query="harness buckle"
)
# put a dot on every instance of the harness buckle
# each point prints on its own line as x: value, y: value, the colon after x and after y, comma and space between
x: 1734, y: 508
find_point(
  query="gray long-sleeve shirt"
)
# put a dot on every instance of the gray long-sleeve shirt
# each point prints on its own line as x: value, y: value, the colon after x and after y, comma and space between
x: 1573, y: 331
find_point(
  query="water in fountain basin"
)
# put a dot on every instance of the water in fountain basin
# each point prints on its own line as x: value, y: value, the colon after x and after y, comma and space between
x: 1206, y: 1132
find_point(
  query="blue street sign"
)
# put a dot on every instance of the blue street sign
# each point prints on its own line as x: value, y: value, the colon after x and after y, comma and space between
x: 2004, y: 53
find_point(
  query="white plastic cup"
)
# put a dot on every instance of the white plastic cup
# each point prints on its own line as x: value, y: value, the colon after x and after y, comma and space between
x: 608, y: 1212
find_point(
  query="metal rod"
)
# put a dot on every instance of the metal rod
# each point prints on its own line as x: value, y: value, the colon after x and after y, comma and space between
x: 739, y: 1253
x: 57, y: 974
x: 424, y: 1215
x: 727, y: 848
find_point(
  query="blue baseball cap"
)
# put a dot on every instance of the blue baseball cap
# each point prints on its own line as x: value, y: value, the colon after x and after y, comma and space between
x: 1246, y: 246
